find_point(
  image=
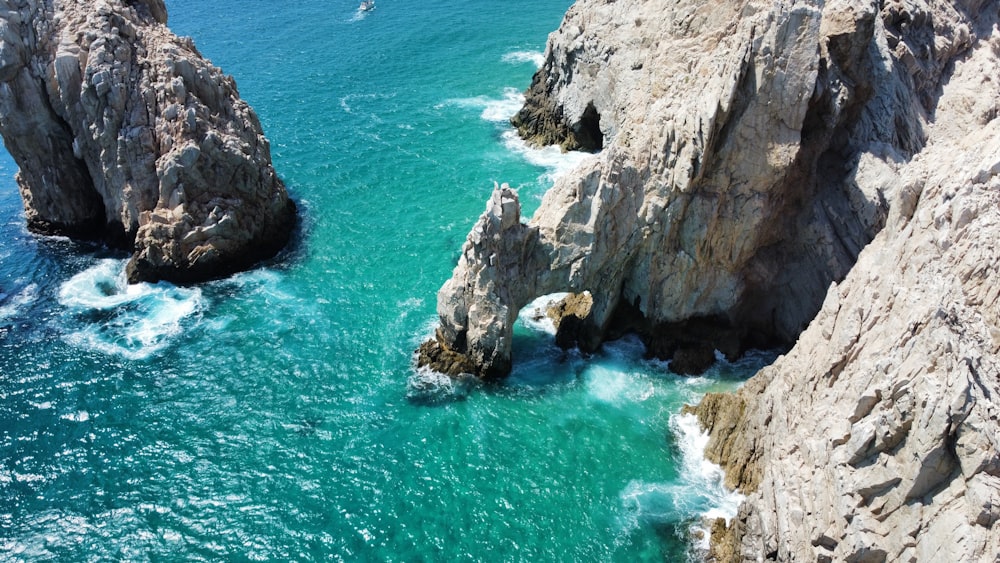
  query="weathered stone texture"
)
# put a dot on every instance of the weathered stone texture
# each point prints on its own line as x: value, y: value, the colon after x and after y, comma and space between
x: 751, y: 152
x: 879, y: 431
x: 877, y: 437
x: 123, y: 131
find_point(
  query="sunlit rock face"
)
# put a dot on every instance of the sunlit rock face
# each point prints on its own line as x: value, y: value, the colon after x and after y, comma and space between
x: 122, y: 131
x: 876, y: 437
x: 819, y: 174
x: 749, y: 151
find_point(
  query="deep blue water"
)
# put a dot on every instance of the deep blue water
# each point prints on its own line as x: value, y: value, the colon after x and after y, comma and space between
x: 268, y: 416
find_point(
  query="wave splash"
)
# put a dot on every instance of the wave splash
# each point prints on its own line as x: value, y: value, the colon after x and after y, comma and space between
x: 700, y: 474
x: 536, y: 58
x: 689, y: 503
x: 134, y: 321
x: 428, y: 387
x: 698, y: 493
x: 556, y: 162
x: 535, y: 315
x: 494, y: 110
x: 500, y: 110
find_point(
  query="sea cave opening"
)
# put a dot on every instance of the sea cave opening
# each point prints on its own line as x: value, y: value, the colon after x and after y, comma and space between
x: 587, y: 131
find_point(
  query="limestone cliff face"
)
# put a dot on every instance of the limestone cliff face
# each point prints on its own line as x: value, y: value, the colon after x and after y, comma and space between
x: 750, y: 151
x: 123, y: 131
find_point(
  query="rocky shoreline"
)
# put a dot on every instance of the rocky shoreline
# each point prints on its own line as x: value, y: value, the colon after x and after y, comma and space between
x: 721, y: 194
x: 124, y: 133
x: 817, y: 175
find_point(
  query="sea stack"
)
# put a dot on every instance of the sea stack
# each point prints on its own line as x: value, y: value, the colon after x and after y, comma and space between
x: 765, y: 167
x: 124, y: 132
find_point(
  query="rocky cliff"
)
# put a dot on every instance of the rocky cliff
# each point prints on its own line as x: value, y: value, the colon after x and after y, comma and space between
x: 123, y: 131
x: 749, y: 153
x: 877, y: 437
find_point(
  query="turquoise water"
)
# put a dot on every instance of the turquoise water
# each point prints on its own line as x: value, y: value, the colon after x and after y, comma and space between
x: 273, y: 416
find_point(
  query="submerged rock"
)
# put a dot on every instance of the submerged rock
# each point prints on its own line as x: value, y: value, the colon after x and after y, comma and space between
x: 430, y: 387
x: 123, y: 131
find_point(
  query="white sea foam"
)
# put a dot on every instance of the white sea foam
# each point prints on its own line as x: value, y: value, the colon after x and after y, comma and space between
x: 535, y: 315
x: 610, y: 382
x: 102, y: 287
x: 499, y: 111
x: 496, y: 110
x: 130, y: 320
x: 519, y: 57
x: 428, y: 387
x: 268, y: 284
x: 359, y: 15
x: 10, y: 305
x: 654, y: 503
x: 552, y: 158
x: 700, y: 477
x: 697, y: 493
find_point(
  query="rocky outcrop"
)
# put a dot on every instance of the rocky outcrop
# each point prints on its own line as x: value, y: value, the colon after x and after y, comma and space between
x: 568, y: 315
x: 123, y: 131
x: 750, y: 151
x: 877, y: 438
x: 499, y: 247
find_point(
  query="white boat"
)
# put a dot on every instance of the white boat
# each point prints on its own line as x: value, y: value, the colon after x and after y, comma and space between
x: 367, y: 5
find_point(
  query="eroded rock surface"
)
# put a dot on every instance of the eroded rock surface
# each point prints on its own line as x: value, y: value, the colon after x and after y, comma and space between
x: 123, y: 131
x: 750, y: 151
x: 877, y: 438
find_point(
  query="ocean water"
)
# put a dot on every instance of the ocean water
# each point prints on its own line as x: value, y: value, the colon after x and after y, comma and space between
x: 276, y: 415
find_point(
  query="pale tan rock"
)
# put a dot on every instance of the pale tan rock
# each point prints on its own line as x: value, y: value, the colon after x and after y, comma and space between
x: 123, y: 131
x: 877, y: 436
x: 751, y: 152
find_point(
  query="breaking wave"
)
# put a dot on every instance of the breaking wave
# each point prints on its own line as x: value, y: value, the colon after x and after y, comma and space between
x: 494, y: 110
x: 520, y: 57
x: 428, y: 387
x: 535, y: 315
x: 697, y: 495
x: 131, y: 320
x: 552, y: 158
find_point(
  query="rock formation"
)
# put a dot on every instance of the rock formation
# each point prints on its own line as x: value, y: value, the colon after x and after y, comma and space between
x: 750, y: 152
x: 123, y: 131
x: 877, y: 438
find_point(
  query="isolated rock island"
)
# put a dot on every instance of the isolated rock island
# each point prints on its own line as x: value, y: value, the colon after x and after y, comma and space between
x: 124, y: 132
x: 819, y: 175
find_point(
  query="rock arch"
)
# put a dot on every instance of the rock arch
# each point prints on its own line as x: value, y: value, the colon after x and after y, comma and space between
x: 726, y: 199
